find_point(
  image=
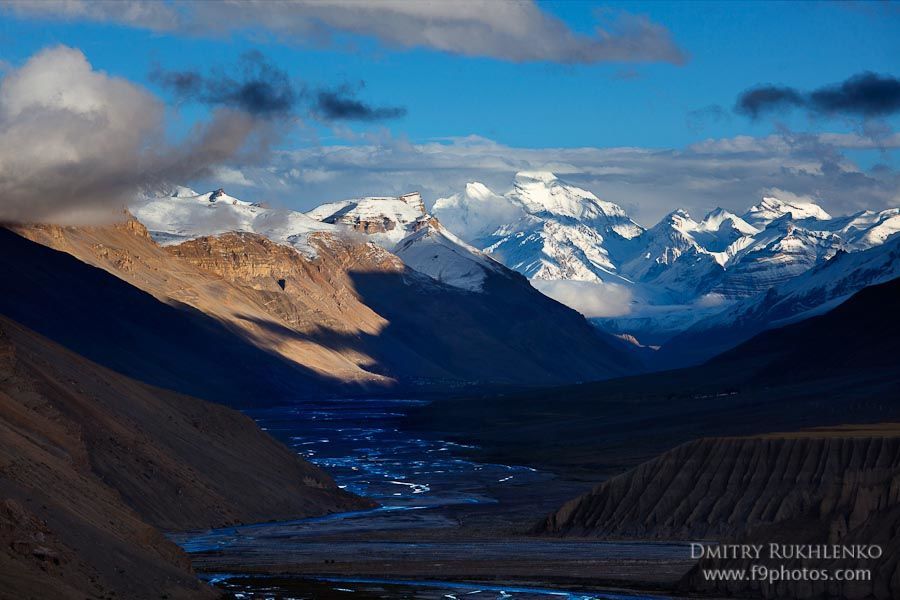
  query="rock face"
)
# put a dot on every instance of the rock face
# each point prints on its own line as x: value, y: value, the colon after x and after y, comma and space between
x: 159, y: 320
x: 835, y: 486
x: 93, y: 464
x: 359, y: 299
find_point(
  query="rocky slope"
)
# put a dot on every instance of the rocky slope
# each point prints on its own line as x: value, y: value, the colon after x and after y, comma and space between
x: 835, y: 486
x: 344, y: 316
x: 725, y: 487
x: 157, y: 319
x: 93, y: 464
x: 410, y: 327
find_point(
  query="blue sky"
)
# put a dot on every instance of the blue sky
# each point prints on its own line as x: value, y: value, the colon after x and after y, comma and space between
x: 543, y: 104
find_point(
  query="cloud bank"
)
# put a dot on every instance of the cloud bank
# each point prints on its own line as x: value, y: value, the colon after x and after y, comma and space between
x: 732, y: 173
x: 510, y: 30
x: 592, y: 299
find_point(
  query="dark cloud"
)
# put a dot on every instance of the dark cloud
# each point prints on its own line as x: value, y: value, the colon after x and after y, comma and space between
x: 261, y: 88
x: 769, y: 98
x: 264, y: 90
x: 342, y: 105
x: 863, y: 95
x: 866, y: 94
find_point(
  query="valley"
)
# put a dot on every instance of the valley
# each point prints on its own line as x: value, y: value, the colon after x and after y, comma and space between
x: 439, y: 514
x: 454, y: 403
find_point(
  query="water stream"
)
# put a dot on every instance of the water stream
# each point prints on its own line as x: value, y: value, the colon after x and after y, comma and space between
x: 417, y: 482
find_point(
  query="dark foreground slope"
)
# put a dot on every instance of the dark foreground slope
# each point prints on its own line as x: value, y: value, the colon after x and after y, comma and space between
x: 841, y: 367
x: 836, y: 486
x: 93, y: 464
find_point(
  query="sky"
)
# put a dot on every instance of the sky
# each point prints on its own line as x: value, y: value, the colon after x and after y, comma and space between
x: 650, y: 105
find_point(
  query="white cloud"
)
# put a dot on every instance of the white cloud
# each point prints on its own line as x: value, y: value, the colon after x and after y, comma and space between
x: 648, y: 183
x: 153, y: 15
x: 231, y: 176
x: 590, y: 298
x: 75, y: 143
x: 513, y: 30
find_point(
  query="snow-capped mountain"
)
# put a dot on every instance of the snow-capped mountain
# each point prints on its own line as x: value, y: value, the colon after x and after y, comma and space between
x: 770, y: 209
x: 398, y: 224
x: 781, y: 251
x: 402, y: 225
x: 385, y: 220
x: 379, y: 290
x: 665, y: 279
x: 678, y: 271
x: 669, y: 257
x: 185, y: 214
x: 719, y: 230
x: 544, y: 228
x: 436, y: 252
x: 811, y: 293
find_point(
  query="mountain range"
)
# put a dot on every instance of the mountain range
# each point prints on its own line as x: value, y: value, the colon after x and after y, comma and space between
x: 722, y: 279
x: 680, y: 273
x: 306, y: 308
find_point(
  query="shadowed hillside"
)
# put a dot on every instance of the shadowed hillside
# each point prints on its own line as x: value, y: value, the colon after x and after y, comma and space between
x: 351, y: 316
x: 841, y: 367
x: 92, y: 462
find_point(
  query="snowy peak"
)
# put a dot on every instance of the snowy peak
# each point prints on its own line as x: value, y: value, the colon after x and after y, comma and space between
x: 478, y: 191
x: 679, y: 220
x: 672, y: 241
x: 543, y: 227
x: 477, y: 212
x: 542, y: 193
x: 868, y: 228
x: 436, y: 252
x: 403, y: 226
x: 720, y: 219
x: 526, y: 177
x: 386, y: 219
x: 771, y: 208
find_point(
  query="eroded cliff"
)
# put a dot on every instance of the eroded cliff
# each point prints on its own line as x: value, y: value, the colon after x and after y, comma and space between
x: 827, y: 486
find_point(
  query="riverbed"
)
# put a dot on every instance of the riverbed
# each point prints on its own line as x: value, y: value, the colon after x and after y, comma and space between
x: 446, y: 526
